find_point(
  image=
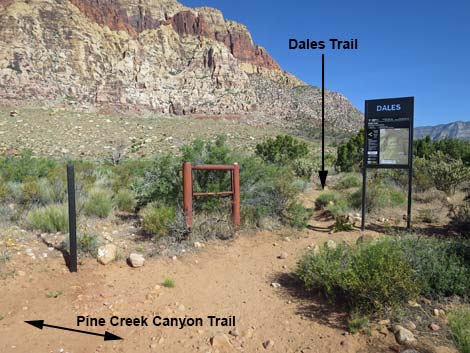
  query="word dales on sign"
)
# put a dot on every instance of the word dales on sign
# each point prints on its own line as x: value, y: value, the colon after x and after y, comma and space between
x: 388, y: 140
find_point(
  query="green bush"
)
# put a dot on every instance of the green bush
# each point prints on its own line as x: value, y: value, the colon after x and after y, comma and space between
x: 350, y: 154
x: 283, y: 149
x: 327, y: 198
x: 18, y: 168
x: 52, y: 218
x: 305, y: 167
x: 378, y: 197
x: 459, y: 323
x: 441, y: 268
x: 447, y: 174
x: 297, y: 216
x: 99, y: 203
x: 156, y: 219
x: 88, y: 244
x: 348, y: 181
x: 372, y: 276
x: 125, y: 200
x: 160, y: 182
x: 342, y: 224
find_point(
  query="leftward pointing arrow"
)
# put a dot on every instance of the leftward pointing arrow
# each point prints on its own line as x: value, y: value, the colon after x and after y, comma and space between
x: 108, y: 336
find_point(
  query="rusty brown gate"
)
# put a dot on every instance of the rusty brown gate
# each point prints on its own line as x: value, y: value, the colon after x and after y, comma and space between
x: 188, y: 192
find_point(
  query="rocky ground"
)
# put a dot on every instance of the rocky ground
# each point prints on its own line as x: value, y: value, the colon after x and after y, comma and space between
x: 249, y: 278
x: 64, y: 132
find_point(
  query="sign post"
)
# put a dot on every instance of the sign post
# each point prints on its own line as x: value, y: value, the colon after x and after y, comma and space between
x: 388, y: 141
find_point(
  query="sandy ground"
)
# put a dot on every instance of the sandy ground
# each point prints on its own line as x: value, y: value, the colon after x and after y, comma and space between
x: 222, y: 279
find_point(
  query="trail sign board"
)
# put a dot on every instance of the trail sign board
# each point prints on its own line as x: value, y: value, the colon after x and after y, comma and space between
x: 388, y: 141
x: 389, y: 132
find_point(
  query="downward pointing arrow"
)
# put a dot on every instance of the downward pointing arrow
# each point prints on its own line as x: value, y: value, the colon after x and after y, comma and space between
x: 323, y: 173
x: 108, y: 336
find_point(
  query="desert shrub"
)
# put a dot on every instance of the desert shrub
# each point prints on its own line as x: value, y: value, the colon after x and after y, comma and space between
x: 99, y: 203
x: 88, y: 244
x: 378, y: 197
x: 441, y: 268
x: 125, y: 200
x: 212, y: 225
x: 178, y: 228
x: 448, y: 174
x: 327, y: 198
x: 160, y: 181
x: 342, y: 224
x: 18, y: 168
x: 430, y: 195
x: 305, y: 167
x: 297, y: 216
x: 454, y: 148
x: 266, y: 189
x: 338, y: 208
x: 428, y: 215
x: 459, y: 324
x: 371, y: 276
x: 283, y: 149
x: 209, y: 152
x: 358, y: 323
x: 350, y: 154
x: 52, y: 218
x: 348, y: 181
x: 156, y: 219
x: 461, y: 219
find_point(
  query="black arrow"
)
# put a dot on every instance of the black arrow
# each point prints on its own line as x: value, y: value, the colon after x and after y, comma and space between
x: 108, y: 336
x: 323, y: 173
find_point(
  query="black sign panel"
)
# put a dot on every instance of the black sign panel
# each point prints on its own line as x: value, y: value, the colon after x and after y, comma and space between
x: 389, y: 132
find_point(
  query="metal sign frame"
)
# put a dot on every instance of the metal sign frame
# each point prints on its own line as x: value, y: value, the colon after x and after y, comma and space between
x: 394, y: 111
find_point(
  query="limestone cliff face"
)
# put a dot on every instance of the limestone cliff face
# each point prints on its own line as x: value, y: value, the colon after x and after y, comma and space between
x: 149, y: 54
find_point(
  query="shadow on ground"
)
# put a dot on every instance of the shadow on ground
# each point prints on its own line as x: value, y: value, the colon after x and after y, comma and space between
x: 312, y: 305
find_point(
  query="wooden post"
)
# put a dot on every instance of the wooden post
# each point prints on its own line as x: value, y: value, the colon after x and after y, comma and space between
x: 236, y: 194
x: 188, y: 193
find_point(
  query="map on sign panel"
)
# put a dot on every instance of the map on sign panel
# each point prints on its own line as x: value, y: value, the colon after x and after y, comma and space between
x: 394, y: 146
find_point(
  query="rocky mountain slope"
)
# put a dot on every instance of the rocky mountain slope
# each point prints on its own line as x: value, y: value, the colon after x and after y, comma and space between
x: 458, y: 130
x: 149, y: 54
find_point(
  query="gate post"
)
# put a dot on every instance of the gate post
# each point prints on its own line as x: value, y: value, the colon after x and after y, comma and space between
x: 188, y: 193
x: 236, y: 195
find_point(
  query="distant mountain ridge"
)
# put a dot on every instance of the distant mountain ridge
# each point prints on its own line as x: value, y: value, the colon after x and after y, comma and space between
x: 156, y: 55
x: 458, y: 130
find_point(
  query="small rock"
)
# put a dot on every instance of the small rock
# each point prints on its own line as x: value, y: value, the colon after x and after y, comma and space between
x: 197, y: 245
x: 384, y: 322
x: 410, y: 325
x: 106, y: 254
x: 434, y: 327
x: 403, y: 335
x: 275, y: 285
x: 234, y: 332
x: 181, y: 307
x: 21, y: 273
x: 136, y: 260
x: 220, y: 340
x: 268, y: 344
x: 283, y: 255
x: 436, y: 312
x: 413, y: 304
x: 330, y: 244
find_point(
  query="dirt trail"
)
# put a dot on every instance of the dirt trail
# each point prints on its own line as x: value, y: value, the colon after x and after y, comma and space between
x: 222, y: 279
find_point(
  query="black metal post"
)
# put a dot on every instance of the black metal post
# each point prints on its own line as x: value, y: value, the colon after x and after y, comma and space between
x: 410, y: 170
x: 364, y: 172
x: 72, y: 218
